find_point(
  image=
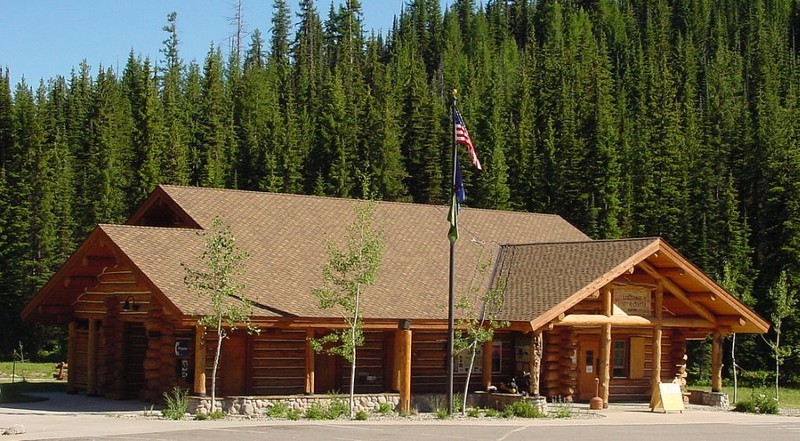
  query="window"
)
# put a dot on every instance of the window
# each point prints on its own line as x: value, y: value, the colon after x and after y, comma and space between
x: 620, y: 358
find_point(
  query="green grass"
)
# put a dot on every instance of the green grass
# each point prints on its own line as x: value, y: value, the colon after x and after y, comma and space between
x: 27, y: 370
x: 18, y: 392
x: 789, y: 398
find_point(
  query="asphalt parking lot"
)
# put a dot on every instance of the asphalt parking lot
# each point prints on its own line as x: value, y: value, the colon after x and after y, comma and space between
x: 79, y: 417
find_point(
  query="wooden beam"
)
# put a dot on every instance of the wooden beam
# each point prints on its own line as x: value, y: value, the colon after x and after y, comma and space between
x: 605, y: 363
x: 605, y: 349
x: 635, y: 279
x: 536, y: 352
x: 701, y: 296
x: 199, y: 361
x: 678, y: 292
x: 672, y: 272
x: 405, y: 371
x: 99, y: 261
x: 657, y: 334
x: 309, y: 362
x: 91, y: 359
x: 486, y: 364
x: 633, y: 321
x: 730, y: 321
x: 716, y: 362
x: 71, y: 347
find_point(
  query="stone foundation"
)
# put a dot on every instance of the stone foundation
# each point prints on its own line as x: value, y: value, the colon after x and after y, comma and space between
x: 715, y: 399
x: 255, y: 406
x: 499, y: 401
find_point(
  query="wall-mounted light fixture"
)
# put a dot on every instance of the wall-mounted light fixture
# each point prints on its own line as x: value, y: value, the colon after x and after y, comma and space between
x: 130, y: 304
x: 404, y: 324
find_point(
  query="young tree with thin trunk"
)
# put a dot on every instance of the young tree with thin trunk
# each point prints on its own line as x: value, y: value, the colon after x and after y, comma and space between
x: 477, y: 327
x: 218, y: 282
x: 346, y: 274
x: 783, y: 299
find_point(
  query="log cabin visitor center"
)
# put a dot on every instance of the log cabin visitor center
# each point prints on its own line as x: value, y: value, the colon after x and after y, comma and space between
x: 606, y: 318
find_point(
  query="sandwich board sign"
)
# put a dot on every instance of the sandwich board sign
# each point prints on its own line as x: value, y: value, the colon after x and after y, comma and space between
x: 667, y: 396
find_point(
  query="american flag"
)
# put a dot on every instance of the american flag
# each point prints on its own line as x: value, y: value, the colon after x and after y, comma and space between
x: 462, y: 137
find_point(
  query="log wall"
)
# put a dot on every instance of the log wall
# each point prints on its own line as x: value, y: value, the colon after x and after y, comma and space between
x: 560, y: 376
x: 429, y: 363
x: 277, y: 362
x: 160, y: 361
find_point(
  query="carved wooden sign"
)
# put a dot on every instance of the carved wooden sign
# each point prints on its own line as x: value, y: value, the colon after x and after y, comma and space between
x: 633, y: 300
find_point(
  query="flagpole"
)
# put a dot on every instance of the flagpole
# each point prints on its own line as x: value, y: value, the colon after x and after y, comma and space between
x: 451, y: 297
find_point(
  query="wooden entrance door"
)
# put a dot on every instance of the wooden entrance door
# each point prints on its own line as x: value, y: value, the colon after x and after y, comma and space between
x: 233, y: 365
x: 588, y: 364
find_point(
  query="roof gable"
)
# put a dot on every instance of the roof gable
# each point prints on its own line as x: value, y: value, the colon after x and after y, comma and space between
x: 543, y: 281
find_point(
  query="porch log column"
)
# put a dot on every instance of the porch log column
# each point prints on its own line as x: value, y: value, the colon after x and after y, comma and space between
x: 716, y: 362
x: 605, y: 348
x: 199, y: 361
x: 71, y: 344
x: 91, y: 359
x: 657, y: 334
x: 486, y: 364
x: 396, y: 361
x: 309, y: 362
x: 537, y: 349
x: 404, y: 349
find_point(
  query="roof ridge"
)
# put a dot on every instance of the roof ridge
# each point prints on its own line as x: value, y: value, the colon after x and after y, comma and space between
x: 148, y: 227
x: 590, y: 241
x: 336, y: 198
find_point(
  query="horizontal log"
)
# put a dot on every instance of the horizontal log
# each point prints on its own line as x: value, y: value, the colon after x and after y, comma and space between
x: 258, y: 363
x: 632, y: 321
x: 117, y: 277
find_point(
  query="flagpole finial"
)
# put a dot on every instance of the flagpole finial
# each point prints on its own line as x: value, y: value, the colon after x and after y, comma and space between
x: 455, y: 93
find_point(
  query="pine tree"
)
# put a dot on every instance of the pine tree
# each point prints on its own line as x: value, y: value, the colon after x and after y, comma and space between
x: 176, y: 149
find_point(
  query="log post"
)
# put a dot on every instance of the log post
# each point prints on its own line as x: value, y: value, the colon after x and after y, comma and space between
x: 397, y: 361
x: 91, y: 359
x: 716, y: 362
x: 309, y: 362
x: 537, y: 349
x: 605, y: 348
x: 657, y: 334
x: 71, y: 345
x: 404, y: 348
x: 487, y: 364
x: 199, y: 361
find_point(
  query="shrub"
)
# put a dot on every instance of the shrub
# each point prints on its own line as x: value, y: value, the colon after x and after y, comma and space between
x: 337, y: 409
x: 361, y: 415
x: 473, y: 412
x: 758, y: 403
x: 442, y: 413
x: 292, y: 414
x: 176, y: 403
x: 217, y: 415
x: 315, y: 412
x: 277, y: 410
x: 458, y: 402
x: 201, y: 416
x: 492, y: 412
x: 524, y: 409
x: 385, y: 408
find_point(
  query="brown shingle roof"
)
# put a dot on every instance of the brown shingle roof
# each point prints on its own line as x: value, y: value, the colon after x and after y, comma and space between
x: 540, y: 277
x: 285, y: 235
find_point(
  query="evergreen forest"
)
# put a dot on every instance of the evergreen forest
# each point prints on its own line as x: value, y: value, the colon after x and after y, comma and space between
x: 671, y: 118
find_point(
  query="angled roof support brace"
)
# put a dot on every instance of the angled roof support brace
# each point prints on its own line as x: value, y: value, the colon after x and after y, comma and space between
x: 678, y: 292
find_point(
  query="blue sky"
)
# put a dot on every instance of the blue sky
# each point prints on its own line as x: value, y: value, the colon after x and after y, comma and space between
x: 40, y: 39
